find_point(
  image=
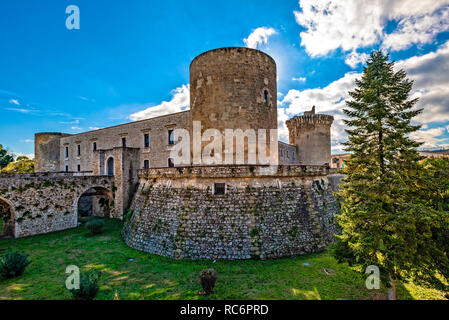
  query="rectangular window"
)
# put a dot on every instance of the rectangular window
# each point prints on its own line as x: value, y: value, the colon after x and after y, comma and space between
x: 171, y: 136
x: 95, y: 146
x: 67, y: 152
x: 124, y: 142
x: 219, y: 188
x: 79, y: 150
x: 171, y: 163
x: 66, y: 168
x: 79, y: 168
x: 146, y: 140
x: 146, y: 164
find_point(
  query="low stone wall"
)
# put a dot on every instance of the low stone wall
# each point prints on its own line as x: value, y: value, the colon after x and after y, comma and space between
x: 266, y: 212
x: 46, y: 202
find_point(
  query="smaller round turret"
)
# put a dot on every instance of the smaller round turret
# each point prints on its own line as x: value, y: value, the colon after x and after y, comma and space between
x: 311, y: 134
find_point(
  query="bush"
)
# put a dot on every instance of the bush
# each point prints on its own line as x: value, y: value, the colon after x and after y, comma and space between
x: 13, y: 264
x: 207, y: 279
x: 88, y: 286
x: 95, y: 226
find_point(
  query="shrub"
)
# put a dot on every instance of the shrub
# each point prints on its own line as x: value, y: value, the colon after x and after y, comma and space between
x: 95, y: 226
x: 88, y: 286
x: 13, y: 264
x: 207, y: 279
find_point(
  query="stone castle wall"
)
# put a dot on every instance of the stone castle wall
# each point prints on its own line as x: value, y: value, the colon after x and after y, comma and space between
x: 50, y: 149
x: 47, y: 151
x: 287, y: 153
x: 46, y: 202
x: 267, y: 212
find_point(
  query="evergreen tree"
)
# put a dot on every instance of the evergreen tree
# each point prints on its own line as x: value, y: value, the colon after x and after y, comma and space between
x: 383, y: 220
x: 5, y: 157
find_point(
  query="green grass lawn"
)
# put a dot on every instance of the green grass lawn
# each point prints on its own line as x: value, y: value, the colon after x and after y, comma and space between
x: 153, y: 277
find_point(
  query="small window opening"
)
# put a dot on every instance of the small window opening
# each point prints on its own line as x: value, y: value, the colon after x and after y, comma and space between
x: 79, y: 168
x: 265, y: 96
x: 79, y: 150
x: 124, y: 142
x: 219, y: 188
x: 171, y: 136
x: 171, y: 163
x: 95, y: 146
x: 146, y: 140
x: 146, y: 164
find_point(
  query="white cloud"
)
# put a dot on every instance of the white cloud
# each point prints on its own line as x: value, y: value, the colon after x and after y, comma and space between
x: 76, y: 128
x: 70, y: 122
x: 330, y: 100
x: 417, y: 30
x: 93, y: 128
x: 430, y: 73
x: 431, y: 137
x: 353, y: 24
x: 347, y: 24
x: 354, y: 58
x: 327, y: 99
x: 27, y: 140
x: 19, y: 154
x: 179, y: 102
x: 299, y: 79
x: 259, y: 36
x: 282, y: 127
x: 14, y: 101
x: 21, y: 110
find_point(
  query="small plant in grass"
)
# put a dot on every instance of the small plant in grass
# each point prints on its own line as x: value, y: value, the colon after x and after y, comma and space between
x: 95, y: 226
x: 13, y: 264
x: 88, y: 286
x: 207, y: 279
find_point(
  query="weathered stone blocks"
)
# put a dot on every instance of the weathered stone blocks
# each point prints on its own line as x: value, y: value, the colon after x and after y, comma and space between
x: 176, y: 214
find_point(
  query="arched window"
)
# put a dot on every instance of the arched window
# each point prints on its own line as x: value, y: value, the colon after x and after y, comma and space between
x: 110, y: 166
x: 265, y: 96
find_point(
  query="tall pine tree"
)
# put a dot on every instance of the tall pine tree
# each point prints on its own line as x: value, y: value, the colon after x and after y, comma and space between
x: 383, y: 220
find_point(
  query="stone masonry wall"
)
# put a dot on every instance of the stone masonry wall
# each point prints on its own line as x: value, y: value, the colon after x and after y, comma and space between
x: 285, y: 213
x: 46, y: 202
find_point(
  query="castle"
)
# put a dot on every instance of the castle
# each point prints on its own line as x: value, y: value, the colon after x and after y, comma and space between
x: 197, y: 210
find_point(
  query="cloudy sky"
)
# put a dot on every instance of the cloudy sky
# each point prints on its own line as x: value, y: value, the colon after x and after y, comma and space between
x: 130, y: 60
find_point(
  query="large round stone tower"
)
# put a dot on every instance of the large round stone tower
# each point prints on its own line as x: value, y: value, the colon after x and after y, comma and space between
x: 311, y: 134
x: 233, y: 88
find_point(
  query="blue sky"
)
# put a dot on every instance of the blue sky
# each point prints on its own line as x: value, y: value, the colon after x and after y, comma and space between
x: 130, y: 60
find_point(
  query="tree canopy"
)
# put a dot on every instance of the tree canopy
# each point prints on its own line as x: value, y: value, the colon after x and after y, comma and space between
x: 388, y: 218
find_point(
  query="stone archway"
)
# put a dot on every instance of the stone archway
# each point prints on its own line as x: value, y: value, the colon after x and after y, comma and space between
x: 95, y: 201
x: 7, y: 227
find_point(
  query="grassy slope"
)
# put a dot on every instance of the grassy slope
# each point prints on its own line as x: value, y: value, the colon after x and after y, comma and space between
x: 154, y: 277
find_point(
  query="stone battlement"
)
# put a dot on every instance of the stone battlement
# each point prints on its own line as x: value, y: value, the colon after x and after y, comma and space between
x: 318, y: 119
x: 235, y: 171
